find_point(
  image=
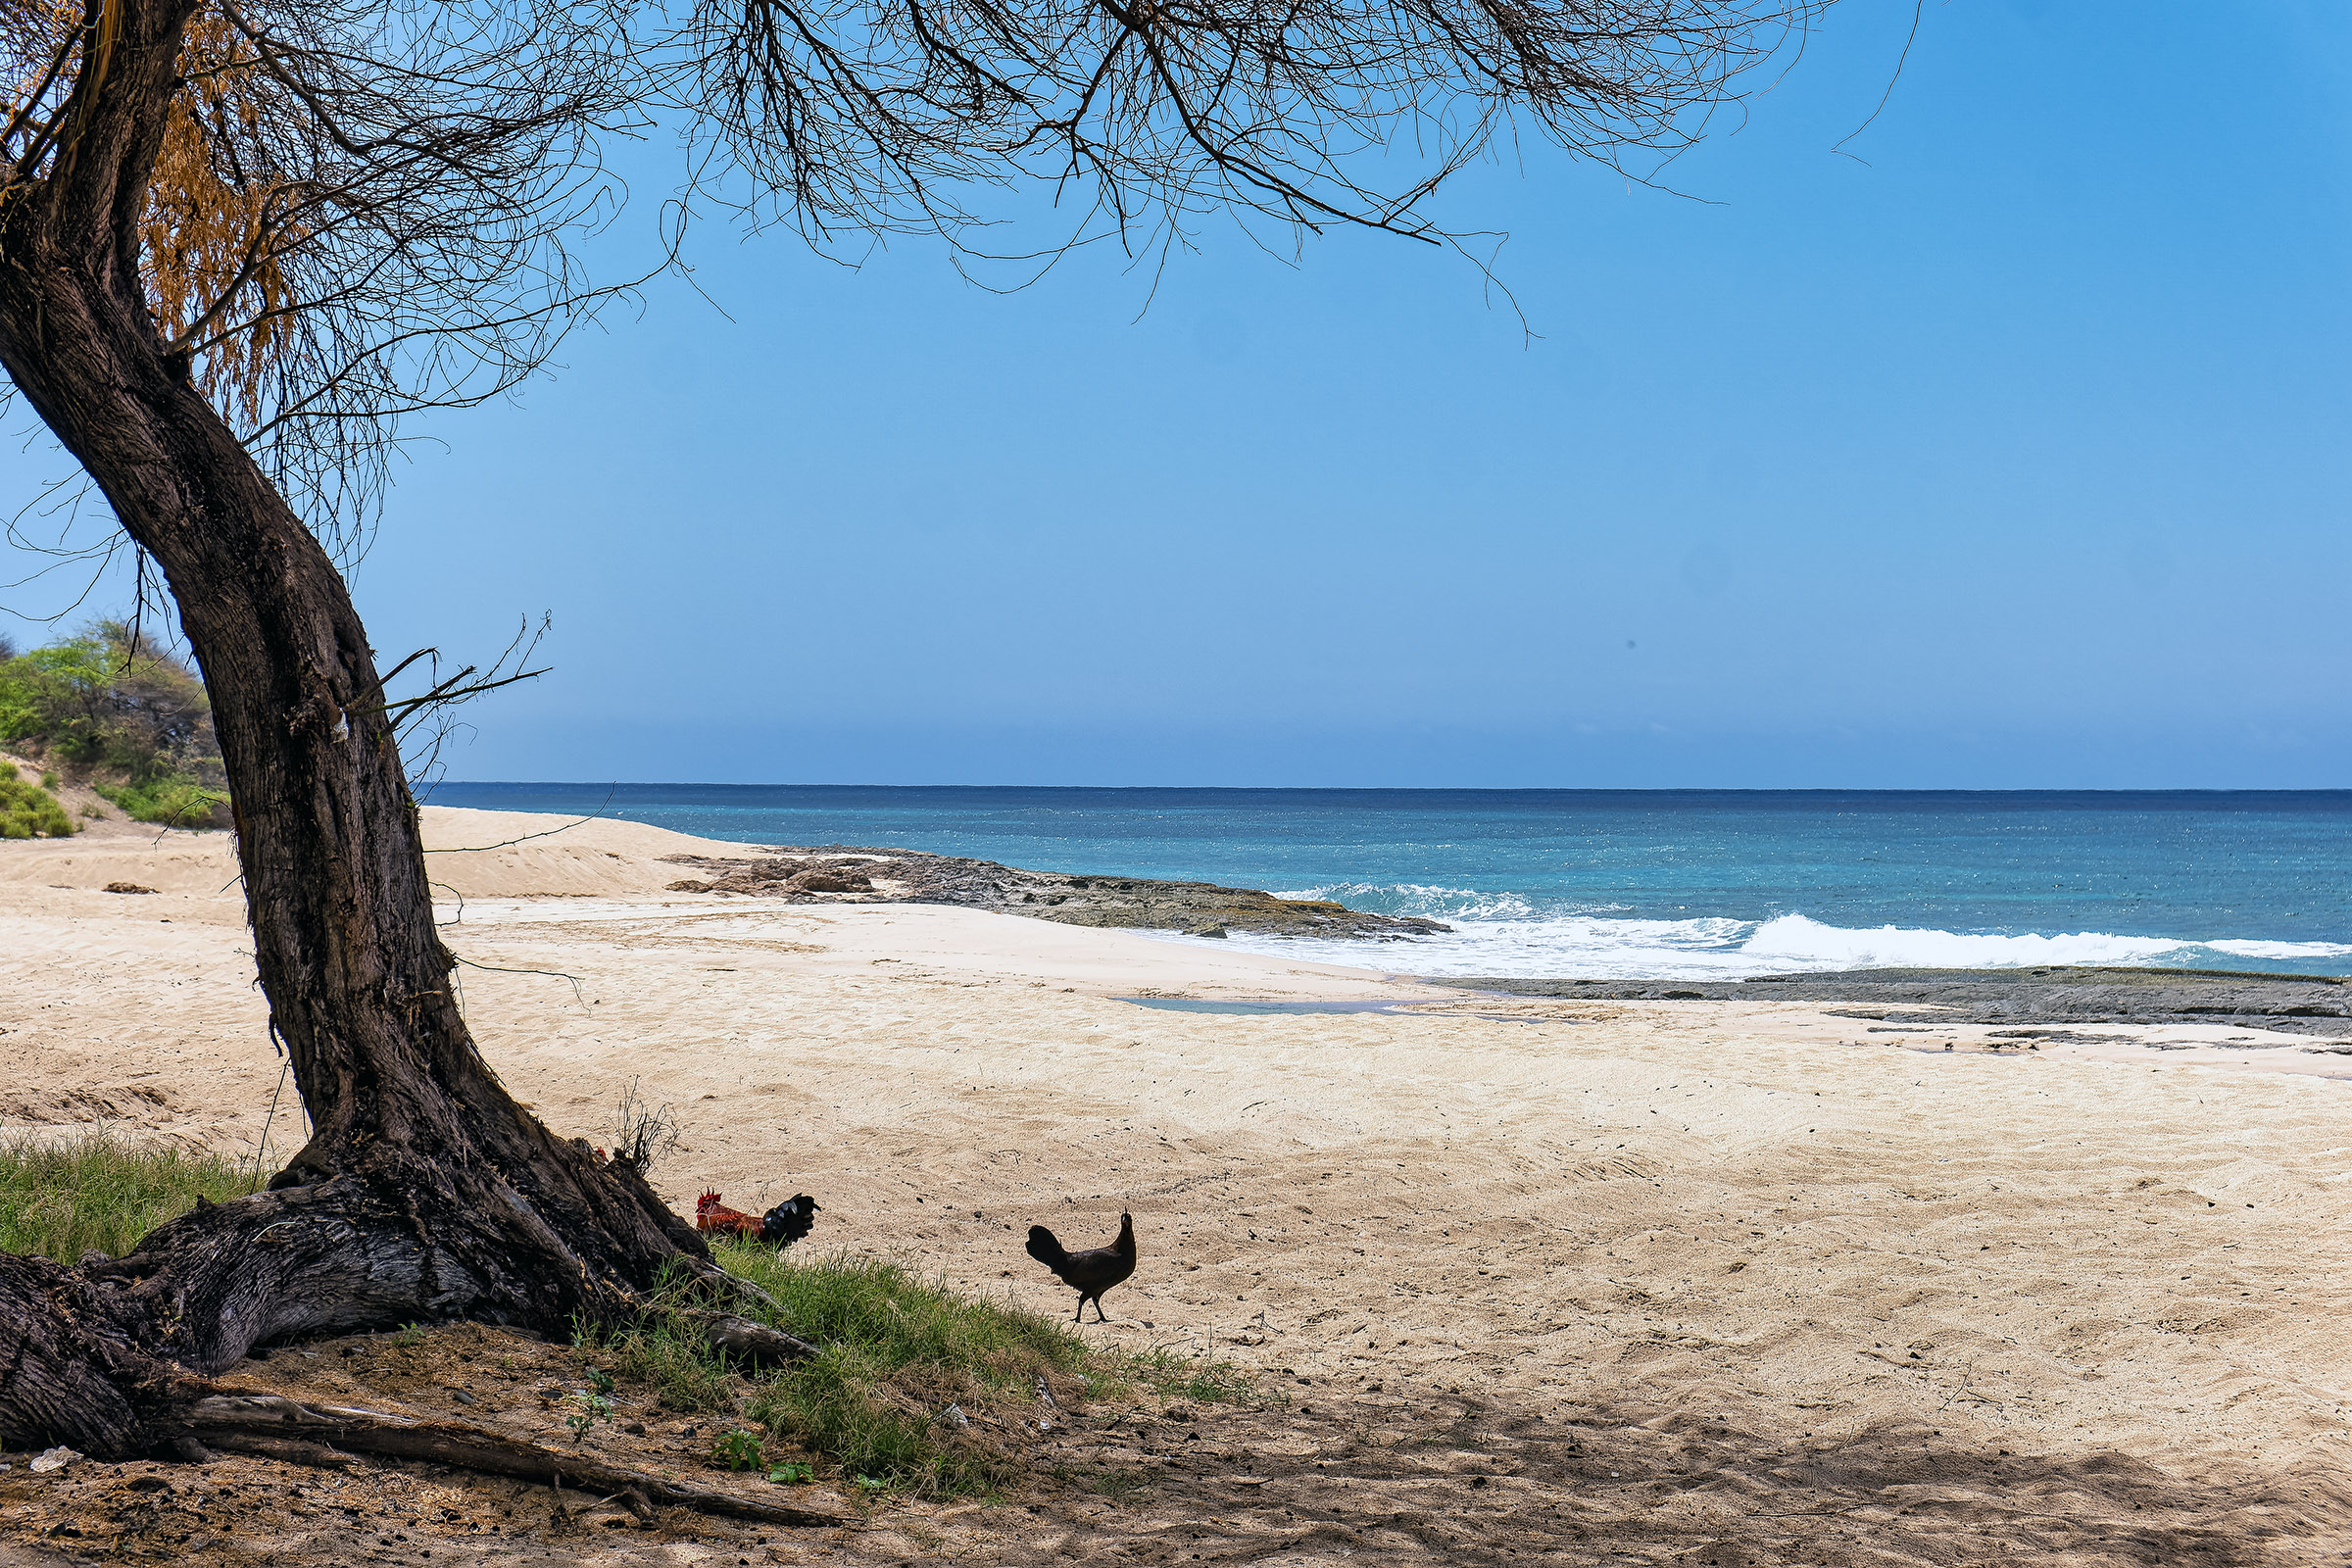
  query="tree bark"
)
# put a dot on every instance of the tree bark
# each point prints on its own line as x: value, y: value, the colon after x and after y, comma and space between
x: 426, y: 1192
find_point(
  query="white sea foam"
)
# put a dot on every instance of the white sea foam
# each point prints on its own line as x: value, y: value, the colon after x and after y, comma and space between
x: 1427, y: 901
x: 1574, y: 945
x: 1596, y: 946
x: 1795, y: 942
x: 2282, y: 951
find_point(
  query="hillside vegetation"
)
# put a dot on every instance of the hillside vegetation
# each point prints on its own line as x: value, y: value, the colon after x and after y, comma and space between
x: 110, y: 707
x: 29, y: 810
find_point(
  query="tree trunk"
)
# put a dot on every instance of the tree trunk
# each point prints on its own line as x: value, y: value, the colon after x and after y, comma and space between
x: 425, y: 1191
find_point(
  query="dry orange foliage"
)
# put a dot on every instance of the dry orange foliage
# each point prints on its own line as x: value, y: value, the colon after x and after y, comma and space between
x: 214, y: 235
x: 215, y: 225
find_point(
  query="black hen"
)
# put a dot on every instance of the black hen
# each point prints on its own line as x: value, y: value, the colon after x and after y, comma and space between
x: 1092, y: 1272
x: 789, y: 1221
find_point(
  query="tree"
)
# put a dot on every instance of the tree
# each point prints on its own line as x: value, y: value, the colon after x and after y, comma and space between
x: 239, y: 239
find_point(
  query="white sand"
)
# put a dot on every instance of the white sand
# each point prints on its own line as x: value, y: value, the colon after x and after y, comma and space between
x: 1716, y: 1209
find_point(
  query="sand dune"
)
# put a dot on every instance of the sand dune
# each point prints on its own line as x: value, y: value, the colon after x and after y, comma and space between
x: 1814, y: 1301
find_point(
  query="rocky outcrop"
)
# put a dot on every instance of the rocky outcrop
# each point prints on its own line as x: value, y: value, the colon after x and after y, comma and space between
x: 2312, y: 1005
x: 846, y: 874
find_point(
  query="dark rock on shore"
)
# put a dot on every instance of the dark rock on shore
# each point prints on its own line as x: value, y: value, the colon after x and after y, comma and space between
x: 839, y: 873
x: 2309, y: 1004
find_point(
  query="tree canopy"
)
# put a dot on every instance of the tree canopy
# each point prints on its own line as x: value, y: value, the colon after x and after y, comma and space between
x: 359, y: 209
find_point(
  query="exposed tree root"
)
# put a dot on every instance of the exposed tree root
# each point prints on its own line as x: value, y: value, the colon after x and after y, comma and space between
x: 277, y: 1427
x: 109, y: 1356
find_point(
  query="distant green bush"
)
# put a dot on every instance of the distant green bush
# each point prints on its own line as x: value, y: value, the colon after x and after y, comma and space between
x: 171, y: 802
x: 29, y: 812
x: 110, y: 704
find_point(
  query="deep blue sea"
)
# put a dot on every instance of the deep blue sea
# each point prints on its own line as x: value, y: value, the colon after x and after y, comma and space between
x: 1638, y: 883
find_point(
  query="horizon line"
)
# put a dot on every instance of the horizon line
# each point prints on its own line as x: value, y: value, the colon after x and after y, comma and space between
x: 1416, y: 789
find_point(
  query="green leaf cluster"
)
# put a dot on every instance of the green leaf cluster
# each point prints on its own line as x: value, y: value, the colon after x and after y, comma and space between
x: 109, y: 703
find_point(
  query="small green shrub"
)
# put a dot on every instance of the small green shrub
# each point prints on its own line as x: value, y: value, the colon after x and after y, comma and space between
x: 739, y: 1449
x: 173, y: 799
x: 29, y: 812
x: 61, y: 1198
x: 589, y: 1409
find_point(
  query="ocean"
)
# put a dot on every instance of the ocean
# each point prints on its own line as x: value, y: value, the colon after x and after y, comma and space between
x: 1637, y: 884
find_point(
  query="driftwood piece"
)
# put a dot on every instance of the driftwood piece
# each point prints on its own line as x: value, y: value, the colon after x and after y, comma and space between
x: 285, y: 1427
x: 291, y: 1450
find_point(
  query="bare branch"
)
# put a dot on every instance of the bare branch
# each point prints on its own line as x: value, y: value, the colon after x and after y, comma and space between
x: 366, y: 209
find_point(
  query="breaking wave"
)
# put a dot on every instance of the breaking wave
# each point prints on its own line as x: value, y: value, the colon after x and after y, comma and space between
x: 1503, y: 936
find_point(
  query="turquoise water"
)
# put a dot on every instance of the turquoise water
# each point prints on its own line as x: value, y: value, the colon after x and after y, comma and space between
x: 1639, y: 884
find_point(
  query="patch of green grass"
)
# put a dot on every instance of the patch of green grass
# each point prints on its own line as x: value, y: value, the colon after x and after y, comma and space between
x: 901, y: 1323
x: 896, y: 1351
x: 1176, y: 1377
x: 1117, y: 1485
x: 687, y: 1376
x: 29, y: 812
x: 60, y: 1198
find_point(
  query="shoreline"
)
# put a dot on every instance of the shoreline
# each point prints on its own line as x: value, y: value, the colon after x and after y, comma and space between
x: 533, y: 864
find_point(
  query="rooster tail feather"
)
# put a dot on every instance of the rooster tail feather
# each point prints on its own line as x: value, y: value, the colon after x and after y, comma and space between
x: 1045, y: 1249
x: 789, y: 1221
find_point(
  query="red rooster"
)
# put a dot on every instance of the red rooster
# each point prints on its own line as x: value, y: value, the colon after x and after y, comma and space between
x: 779, y: 1227
x: 710, y: 1215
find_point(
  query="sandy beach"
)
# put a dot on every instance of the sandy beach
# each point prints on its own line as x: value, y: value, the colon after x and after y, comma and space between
x: 1716, y: 1281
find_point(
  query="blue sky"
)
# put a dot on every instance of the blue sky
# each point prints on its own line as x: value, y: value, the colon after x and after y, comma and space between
x: 2008, y: 452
